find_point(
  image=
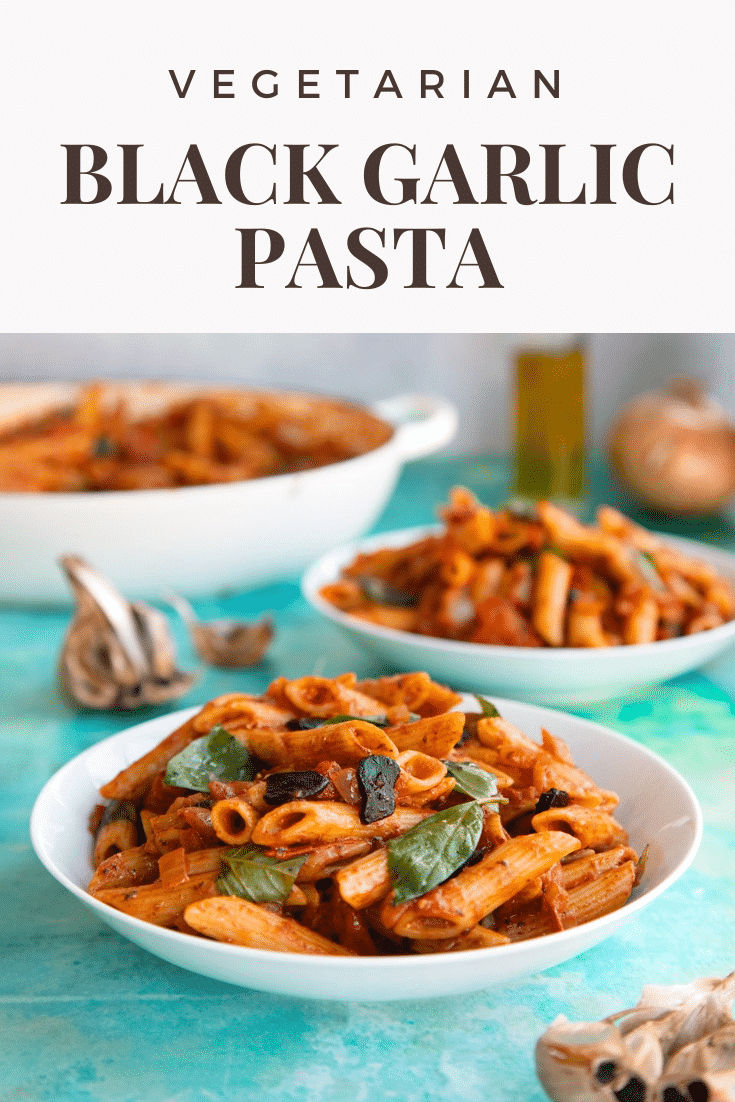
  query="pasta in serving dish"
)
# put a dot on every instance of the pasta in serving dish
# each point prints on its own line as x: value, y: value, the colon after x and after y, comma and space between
x: 337, y: 817
x: 542, y: 580
x: 118, y: 437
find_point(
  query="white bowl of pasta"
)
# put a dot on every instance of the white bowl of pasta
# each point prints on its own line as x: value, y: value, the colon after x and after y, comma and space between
x: 656, y: 808
x: 554, y: 675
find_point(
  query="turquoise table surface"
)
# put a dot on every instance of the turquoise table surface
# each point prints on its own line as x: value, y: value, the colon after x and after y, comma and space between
x: 87, y: 1016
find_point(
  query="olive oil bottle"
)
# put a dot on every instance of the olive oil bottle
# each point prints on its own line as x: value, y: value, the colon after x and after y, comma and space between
x: 550, y: 420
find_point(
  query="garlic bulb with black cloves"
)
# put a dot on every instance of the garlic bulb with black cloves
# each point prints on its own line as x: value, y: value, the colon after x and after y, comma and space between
x: 116, y: 654
x: 674, y: 449
x: 676, y: 1045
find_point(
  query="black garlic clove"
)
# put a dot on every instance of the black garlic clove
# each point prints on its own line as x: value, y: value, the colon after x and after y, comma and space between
x: 376, y: 777
x: 282, y: 788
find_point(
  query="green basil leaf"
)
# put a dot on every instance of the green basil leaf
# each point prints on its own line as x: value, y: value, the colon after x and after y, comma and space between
x: 104, y: 448
x: 645, y: 563
x: 217, y: 754
x: 533, y: 557
x: 375, y: 589
x: 377, y: 721
x: 488, y: 710
x: 430, y: 852
x: 309, y: 723
x: 476, y: 782
x: 248, y: 873
x: 117, y: 810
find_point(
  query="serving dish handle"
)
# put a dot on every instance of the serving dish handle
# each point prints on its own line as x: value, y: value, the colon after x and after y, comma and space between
x: 424, y: 423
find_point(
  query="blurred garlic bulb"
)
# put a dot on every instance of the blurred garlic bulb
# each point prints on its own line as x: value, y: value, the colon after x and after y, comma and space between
x: 116, y: 654
x: 676, y: 1045
x: 674, y: 449
x: 231, y: 644
x: 703, y: 1071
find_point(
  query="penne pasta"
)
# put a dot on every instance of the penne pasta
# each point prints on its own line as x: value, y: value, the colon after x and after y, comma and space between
x: 346, y: 743
x: 351, y: 929
x: 580, y: 867
x: 122, y: 870
x: 145, y: 442
x: 595, y: 829
x: 470, y: 525
x: 324, y: 697
x: 594, y: 865
x: 589, y: 900
x: 498, y: 579
x: 237, y: 710
x: 436, y: 794
x: 613, y: 522
x: 553, y: 579
x: 113, y: 838
x: 411, y: 689
x: 157, y: 904
x: 477, y: 938
x: 584, y: 624
x: 419, y: 772
x: 233, y: 821
x: 388, y: 616
x: 456, y: 567
x: 436, y: 735
x: 131, y: 783
x: 200, y: 819
x: 326, y: 860
x: 205, y: 860
x: 486, y: 580
x: 365, y: 881
x: 592, y: 545
x: 549, y: 772
x: 173, y: 868
x: 484, y: 758
x: 356, y: 837
x: 459, y: 904
x: 512, y: 747
x: 302, y: 821
x: 600, y: 896
x: 641, y: 624
x: 242, y: 923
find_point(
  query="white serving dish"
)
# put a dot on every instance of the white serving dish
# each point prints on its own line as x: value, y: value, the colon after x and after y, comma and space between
x: 203, y: 540
x: 543, y: 675
x: 657, y: 807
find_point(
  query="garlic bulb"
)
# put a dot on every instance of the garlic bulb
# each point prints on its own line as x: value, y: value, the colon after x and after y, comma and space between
x: 231, y: 644
x: 676, y: 1045
x: 674, y: 449
x: 116, y: 654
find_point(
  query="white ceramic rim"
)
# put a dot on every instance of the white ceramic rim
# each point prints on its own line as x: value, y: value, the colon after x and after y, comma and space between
x: 414, y: 962
x: 313, y: 579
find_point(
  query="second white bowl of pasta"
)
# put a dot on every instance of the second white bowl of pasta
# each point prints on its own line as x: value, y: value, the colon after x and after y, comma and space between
x: 657, y: 814
x: 559, y: 675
